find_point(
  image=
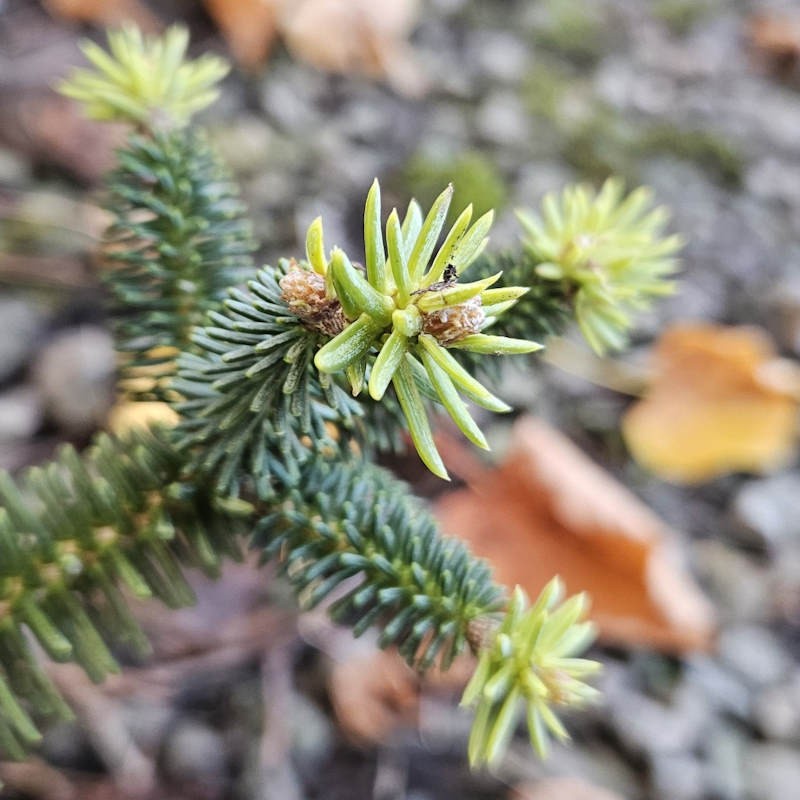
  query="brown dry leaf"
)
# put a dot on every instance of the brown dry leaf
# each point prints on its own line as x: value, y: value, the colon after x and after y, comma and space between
x: 372, y: 693
x: 562, y: 789
x: 104, y: 12
x: 549, y: 510
x: 720, y: 401
x: 36, y: 778
x: 344, y: 36
x: 775, y: 40
x: 356, y: 36
x: 50, y: 129
x: 249, y: 27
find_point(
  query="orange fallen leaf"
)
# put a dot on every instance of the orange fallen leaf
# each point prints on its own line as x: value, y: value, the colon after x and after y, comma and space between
x: 775, y: 40
x: 249, y: 27
x: 104, y: 12
x: 356, y: 36
x: 51, y: 130
x: 546, y: 510
x: 374, y: 692
x: 720, y: 401
x: 343, y: 36
x: 549, y: 510
x: 562, y: 789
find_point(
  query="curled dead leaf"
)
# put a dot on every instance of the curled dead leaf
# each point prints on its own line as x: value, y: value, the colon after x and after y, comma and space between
x: 356, y: 36
x: 372, y: 693
x: 51, y: 130
x: 249, y: 27
x: 720, y: 401
x: 549, y: 510
x: 562, y: 789
x: 344, y: 36
x: 774, y: 39
x: 104, y: 12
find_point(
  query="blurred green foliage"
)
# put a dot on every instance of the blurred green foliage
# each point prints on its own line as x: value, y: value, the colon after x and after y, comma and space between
x: 475, y: 180
x: 580, y: 30
x: 680, y: 16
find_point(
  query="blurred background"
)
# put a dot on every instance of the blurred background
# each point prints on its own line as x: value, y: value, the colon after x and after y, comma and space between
x: 691, y: 551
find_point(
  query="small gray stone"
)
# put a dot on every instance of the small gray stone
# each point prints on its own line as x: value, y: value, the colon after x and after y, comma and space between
x: 355, y: 170
x: 443, y: 727
x: 786, y: 585
x: 677, y: 777
x: 275, y: 782
x: 13, y: 169
x: 723, y: 750
x: 446, y: 130
x: 647, y: 726
x: 499, y: 55
x: 448, y: 6
x: 147, y: 722
x: 21, y: 413
x: 74, y: 373
x: 195, y: 754
x: 727, y: 693
x: 634, y: 90
x: 245, y: 144
x: 451, y: 75
x: 21, y: 323
x: 502, y: 120
x: 775, y: 179
x: 272, y: 189
x: 366, y: 120
x: 776, y: 710
x: 312, y: 733
x: 738, y: 584
x: 287, y: 96
x: 66, y: 744
x: 783, y: 307
x: 767, y: 510
x: 536, y: 178
x: 754, y: 653
x: 772, y: 772
x: 521, y: 388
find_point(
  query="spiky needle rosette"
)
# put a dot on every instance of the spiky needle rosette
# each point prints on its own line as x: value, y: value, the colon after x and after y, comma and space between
x: 144, y: 80
x: 406, y: 310
x: 609, y: 249
x: 530, y: 663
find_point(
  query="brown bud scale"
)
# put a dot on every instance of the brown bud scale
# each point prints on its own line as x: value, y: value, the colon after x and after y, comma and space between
x: 304, y: 293
x: 451, y: 324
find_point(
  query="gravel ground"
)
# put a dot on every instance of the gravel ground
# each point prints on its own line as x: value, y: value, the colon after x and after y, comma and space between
x: 525, y: 96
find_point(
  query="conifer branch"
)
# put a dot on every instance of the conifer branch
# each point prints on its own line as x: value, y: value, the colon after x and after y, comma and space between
x: 269, y: 429
x: 609, y: 250
x: 78, y: 534
x: 545, y: 310
x: 178, y: 241
x: 253, y: 404
x: 349, y: 522
x: 403, y: 313
x: 146, y: 81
